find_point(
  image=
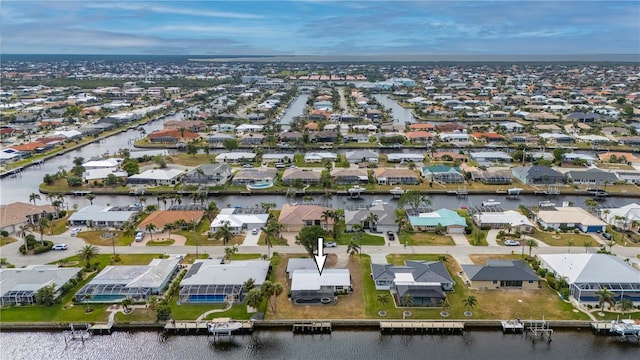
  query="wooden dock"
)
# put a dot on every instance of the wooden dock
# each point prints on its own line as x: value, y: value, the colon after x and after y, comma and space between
x: 601, y: 327
x: 512, y: 326
x: 422, y: 327
x: 198, y: 327
x: 100, y: 328
x: 312, y: 328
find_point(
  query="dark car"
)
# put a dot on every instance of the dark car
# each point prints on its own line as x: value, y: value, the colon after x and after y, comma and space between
x: 606, y: 236
x: 391, y: 235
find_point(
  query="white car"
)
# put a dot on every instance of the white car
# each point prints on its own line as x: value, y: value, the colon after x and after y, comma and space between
x: 59, y: 247
x: 139, y: 236
x: 511, y: 243
x: 254, y: 231
x: 75, y: 231
x: 330, y: 244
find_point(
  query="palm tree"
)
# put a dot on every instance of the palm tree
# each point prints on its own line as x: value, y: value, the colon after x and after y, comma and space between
x: 626, y: 304
x: 372, y: 219
x: 469, y: 302
x: 224, y: 233
x: 169, y: 227
x: 383, y: 299
x: 228, y: 252
x: 532, y: 244
x: 126, y: 303
x: 33, y: 197
x: 90, y: 197
x: 592, y: 204
x: 604, y: 295
x: 336, y: 219
x: 150, y: 229
x: 42, y: 224
x: 444, y: 304
x: 87, y: 253
x: 587, y: 244
x: 326, y: 215
x: 353, y: 248
x: 407, y: 300
x: 277, y: 290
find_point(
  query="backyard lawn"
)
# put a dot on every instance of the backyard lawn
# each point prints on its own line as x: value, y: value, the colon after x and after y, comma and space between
x: 97, y: 238
x: 425, y: 239
x: 563, y: 239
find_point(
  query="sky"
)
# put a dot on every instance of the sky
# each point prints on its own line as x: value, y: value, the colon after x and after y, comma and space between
x: 319, y: 27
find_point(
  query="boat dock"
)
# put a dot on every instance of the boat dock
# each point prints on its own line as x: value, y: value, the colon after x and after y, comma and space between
x: 512, y: 326
x: 198, y: 327
x: 422, y: 327
x: 539, y: 330
x: 100, y: 328
x: 312, y: 328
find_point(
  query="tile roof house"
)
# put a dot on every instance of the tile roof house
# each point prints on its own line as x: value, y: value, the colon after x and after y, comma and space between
x: 499, y: 274
x: 591, y: 176
x: 570, y: 218
x: 349, y: 176
x: 172, y: 136
x: 296, y: 217
x: 442, y: 174
x: 396, y: 177
x: 291, y: 176
x: 19, y: 213
x: 536, y: 174
x: 419, y: 136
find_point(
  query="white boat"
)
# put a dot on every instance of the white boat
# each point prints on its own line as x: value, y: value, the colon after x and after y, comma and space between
x: 626, y: 327
x: 223, y: 326
x: 490, y: 202
x: 546, y: 203
x: 357, y: 189
x: 514, y: 191
x: 397, y: 191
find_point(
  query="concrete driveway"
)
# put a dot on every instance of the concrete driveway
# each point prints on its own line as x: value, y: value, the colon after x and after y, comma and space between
x: 251, y: 239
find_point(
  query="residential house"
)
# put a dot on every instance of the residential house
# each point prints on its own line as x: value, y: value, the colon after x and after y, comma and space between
x: 236, y: 157
x: 252, y: 139
x: 309, y: 287
x: 298, y: 216
x: 292, y: 176
x: 90, y: 176
x: 137, y: 282
x: 240, y: 219
x: 255, y: 176
x: 536, y: 174
x: 217, y: 139
x: 396, y: 177
x: 209, y: 281
x: 419, y: 137
x: 171, y: 136
x: 160, y: 218
x: 487, y: 137
x: 587, y: 274
x: 362, y: 156
x: 579, y: 158
x: 349, y: 176
x: 487, y: 157
x: 569, y: 217
x: 429, y: 221
x: 318, y: 157
x: 442, y: 174
x: 385, y: 214
x: 103, y: 216
x: 511, y: 220
x: 209, y: 175
x: 404, y: 158
x: 624, y: 217
x: 290, y: 136
x: 447, y: 156
x: 16, y: 214
x: 620, y: 157
x: 501, y: 274
x: 157, y: 177
x: 592, y: 176
x: 19, y: 286
x: 324, y: 136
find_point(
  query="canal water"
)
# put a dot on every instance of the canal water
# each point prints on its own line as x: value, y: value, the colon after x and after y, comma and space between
x: 265, y: 345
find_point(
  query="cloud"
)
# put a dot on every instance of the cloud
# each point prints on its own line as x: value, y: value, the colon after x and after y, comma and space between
x: 177, y: 10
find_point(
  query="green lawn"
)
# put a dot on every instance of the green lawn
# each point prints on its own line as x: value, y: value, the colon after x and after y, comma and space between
x: 361, y: 239
x: 424, y: 238
x: 562, y: 239
x: 237, y: 256
x: 7, y: 240
x: 94, y: 238
x: 160, y: 242
x: 608, y: 315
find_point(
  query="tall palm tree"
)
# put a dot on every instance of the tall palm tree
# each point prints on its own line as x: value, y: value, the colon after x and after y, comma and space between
x: 33, y: 197
x: 150, y: 229
x: 87, y: 253
x: 407, y: 300
x: 604, y: 295
x: 169, y: 227
x: 42, y: 224
x: 469, y: 302
x: 224, y: 233
x: 90, y: 197
x: 326, y: 215
x: 353, y: 248
x: 444, y: 304
x: 337, y: 216
x: 532, y: 244
x: 372, y: 219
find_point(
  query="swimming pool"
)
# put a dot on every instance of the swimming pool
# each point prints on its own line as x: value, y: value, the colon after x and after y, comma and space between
x: 260, y: 186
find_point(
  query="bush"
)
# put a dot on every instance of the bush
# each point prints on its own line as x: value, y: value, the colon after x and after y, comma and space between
x: 4, y: 233
x: 485, y: 227
x: 542, y: 272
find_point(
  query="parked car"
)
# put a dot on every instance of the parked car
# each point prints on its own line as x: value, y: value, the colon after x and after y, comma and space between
x: 59, y: 247
x: 139, y: 236
x: 247, y: 166
x: 391, y: 235
x: 511, y: 243
x: 75, y: 231
x: 330, y: 244
x: 254, y: 231
x: 607, y: 236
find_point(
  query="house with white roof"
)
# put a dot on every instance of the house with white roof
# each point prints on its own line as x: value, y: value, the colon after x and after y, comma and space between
x: 102, y: 164
x: 570, y: 217
x: 18, y: 286
x: 209, y: 281
x: 589, y: 273
x: 102, y: 216
x: 504, y: 220
x: 240, y: 219
x: 236, y: 157
x: 308, y: 287
x: 101, y: 174
x: 625, y: 217
x: 315, y: 157
x: 156, y: 177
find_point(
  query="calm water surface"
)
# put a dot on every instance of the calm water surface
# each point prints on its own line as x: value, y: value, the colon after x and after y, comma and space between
x: 339, y: 345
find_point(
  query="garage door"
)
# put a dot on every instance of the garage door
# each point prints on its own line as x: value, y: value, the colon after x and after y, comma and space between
x: 456, y: 230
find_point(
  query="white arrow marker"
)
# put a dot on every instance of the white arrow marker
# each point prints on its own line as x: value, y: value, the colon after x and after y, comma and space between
x: 321, y: 258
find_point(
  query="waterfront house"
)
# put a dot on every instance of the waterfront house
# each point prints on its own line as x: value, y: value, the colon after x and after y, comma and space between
x: 298, y: 216
x: 569, y: 217
x: 240, y: 219
x: 292, y: 176
x: 317, y: 157
x: 419, y: 137
x: 160, y: 218
x: 15, y: 214
x: 217, y: 139
x: 109, y: 163
x: 255, y: 176
x: 172, y: 136
x: 385, y: 213
x: 156, y: 177
x: 18, y: 286
x: 309, y: 287
x: 442, y: 174
x: 324, y: 136
x: 488, y: 157
x: 587, y: 274
x: 252, y: 139
x: 428, y: 221
x: 300, y: 264
x: 362, y: 156
x: 620, y: 157
x: 579, y: 158
x: 501, y: 274
x: 537, y: 174
x: 386, y: 176
x: 509, y: 219
x: 290, y: 136
x: 209, y: 175
x: 236, y: 157
x: 103, y: 216
x: 592, y: 176
x: 622, y: 217
x: 137, y: 282
x: 349, y: 176
x: 404, y: 158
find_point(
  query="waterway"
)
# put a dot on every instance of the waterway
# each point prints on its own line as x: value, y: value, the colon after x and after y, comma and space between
x: 400, y: 115
x: 263, y: 345
x: 296, y: 108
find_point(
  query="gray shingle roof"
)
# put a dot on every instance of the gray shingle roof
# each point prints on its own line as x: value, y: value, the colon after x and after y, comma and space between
x: 501, y: 270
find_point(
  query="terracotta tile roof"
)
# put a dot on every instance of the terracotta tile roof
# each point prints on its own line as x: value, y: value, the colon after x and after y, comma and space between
x: 419, y: 135
x: 17, y: 212
x: 160, y: 218
x: 298, y: 214
x: 28, y: 147
x: 174, y: 133
x: 422, y: 126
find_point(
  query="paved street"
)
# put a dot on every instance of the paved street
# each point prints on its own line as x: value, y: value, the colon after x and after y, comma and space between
x: 460, y: 252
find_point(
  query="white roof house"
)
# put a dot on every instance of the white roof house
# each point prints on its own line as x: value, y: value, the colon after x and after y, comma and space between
x: 101, y: 164
x: 156, y: 177
x: 570, y: 217
x: 312, y: 280
x: 102, y: 173
x: 68, y: 133
x: 234, y: 157
x: 516, y: 220
x: 622, y: 216
x: 96, y: 215
x: 300, y: 264
x: 19, y: 285
x: 589, y: 273
x: 319, y: 156
x: 238, y: 221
